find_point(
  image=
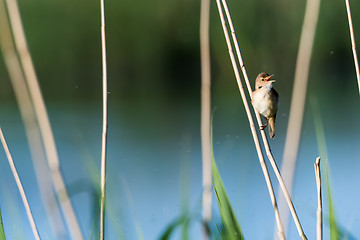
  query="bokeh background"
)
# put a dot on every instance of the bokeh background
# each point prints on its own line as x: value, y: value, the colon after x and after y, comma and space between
x: 154, y: 153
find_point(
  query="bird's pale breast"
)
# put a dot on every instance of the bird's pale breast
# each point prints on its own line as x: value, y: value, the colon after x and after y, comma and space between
x: 263, y: 101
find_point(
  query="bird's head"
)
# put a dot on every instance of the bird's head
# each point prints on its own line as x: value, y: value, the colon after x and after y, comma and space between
x: 263, y: 79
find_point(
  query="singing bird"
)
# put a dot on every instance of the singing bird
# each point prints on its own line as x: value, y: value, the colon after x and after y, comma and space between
x: 265, y: 100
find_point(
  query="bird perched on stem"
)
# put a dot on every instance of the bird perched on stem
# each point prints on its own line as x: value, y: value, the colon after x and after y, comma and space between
x: 265, y: 100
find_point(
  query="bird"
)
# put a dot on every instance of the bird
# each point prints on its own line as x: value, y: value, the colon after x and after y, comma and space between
x: 265, y: 100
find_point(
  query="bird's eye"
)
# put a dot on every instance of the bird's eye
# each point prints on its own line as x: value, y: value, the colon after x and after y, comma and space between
x: 262, y: 79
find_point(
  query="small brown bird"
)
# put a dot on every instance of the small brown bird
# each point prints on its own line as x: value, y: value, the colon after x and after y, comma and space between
x: 265, y: 100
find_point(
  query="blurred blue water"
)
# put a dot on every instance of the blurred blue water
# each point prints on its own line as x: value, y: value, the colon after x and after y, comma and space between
x: 154, y: 163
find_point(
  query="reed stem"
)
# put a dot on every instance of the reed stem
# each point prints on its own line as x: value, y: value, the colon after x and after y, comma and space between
x: 205, y: 115
x: 104, y: 129
x: 353, y: 45
x: 247, y: 108
x: 319, y: 228
x: 20, y: 187
x: 298, y: 98
x: 42, y: 118
x: 33, y: 134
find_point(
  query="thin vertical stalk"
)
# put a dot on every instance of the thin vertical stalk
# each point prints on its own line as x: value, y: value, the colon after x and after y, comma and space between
x: 265, y: 141
x: 20, y: 187
x: 104, y: 129
x: 32, y: 131
x: 42, y: 118
x: 319, y: 229
x: 205, y: 115
x: 321, y: 142
x: 298, y: 99
x: 247, y: 109
x: 353, y: 45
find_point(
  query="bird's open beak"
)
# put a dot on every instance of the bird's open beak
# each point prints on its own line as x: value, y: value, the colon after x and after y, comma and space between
x: 269, y: 77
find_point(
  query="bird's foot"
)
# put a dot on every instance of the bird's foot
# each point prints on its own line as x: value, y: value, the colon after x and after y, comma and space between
x: 263, y: 127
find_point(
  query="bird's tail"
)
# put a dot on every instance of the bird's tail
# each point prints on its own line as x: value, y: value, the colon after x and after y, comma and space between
x: 271, y: 123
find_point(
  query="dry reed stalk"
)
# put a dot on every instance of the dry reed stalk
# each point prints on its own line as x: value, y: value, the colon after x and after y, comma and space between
x: 247, y: 108
x: 264, y: 138
x: 42, y: 117
x: 19, y: 185
x: 205, y: 115
x: 298, y: 98
x: 32, y: 132
x: 104, y: 129
x: 319, y: 229
x: 353, y: 45
x: 265, y: 141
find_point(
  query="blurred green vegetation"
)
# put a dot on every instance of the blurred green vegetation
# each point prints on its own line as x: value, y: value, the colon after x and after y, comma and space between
x: 230, y: 225
x: 153, y: 46
x: 2, y: 233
